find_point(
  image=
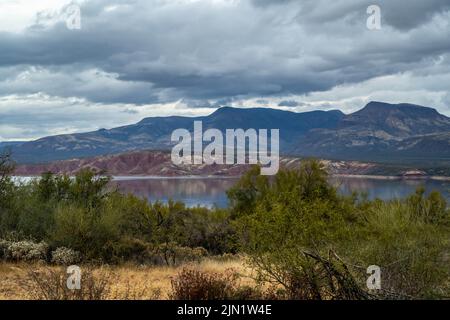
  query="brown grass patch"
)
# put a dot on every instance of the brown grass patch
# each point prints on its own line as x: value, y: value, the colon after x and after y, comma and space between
x: 127, y: 281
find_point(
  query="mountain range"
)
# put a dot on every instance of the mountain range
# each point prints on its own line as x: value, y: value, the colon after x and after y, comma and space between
x: 378, y: 132
x: 9, y: 144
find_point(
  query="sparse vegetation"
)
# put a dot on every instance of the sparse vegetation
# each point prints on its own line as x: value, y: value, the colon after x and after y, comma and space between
x: 299, y: 237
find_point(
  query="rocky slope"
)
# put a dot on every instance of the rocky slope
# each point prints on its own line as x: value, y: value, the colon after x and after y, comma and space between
x: 382, y: 132
x: 158, y: 163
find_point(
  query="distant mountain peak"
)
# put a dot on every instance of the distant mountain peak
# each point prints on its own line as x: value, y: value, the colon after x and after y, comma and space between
x: 377, y: 106
x: 379, y: 129
x: 336, y: 111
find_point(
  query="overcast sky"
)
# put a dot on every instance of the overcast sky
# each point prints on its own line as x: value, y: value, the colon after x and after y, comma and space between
x: 136, y: 58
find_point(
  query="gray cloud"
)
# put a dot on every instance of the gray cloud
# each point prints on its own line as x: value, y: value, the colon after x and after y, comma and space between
x: 204, y: 51
x: 290, y: 103
x: 207, y: 54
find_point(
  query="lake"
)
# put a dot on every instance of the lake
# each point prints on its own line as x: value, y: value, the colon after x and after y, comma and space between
x: 212, y: 191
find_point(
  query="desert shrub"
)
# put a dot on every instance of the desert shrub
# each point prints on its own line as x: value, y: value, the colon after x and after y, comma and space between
x: 194, y: 227
x: 4, y: 245
x: 51, y: 284
x: 26, y: 251
x: 129, y: 215
x: 7, y: 193
x: 430, y: 209
x: 82, y: 230
x: 305, y: 275
x: 411, y: 250
x: 65, y: 256
x: 298, y: 212
x: 87, y: 189
x: 193, y: 284
x: 244, y: 196
x: 308, y: 183
x: 87, y: 216
x: 172, y: 254
x: 6, y: 168
x: 129, y: 250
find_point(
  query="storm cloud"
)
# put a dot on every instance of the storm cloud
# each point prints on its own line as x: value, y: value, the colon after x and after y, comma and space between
x: 198, y: 54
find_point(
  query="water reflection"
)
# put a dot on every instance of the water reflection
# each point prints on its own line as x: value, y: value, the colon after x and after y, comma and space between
x: 212, y: 191
x: 207, y: 192
x: 389, y: 189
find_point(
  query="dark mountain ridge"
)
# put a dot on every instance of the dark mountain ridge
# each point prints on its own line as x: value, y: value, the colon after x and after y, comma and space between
x: 380, y: 131
x: 154, y: 133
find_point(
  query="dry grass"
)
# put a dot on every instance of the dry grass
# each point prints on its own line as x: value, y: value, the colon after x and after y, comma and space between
x: 128, y: 281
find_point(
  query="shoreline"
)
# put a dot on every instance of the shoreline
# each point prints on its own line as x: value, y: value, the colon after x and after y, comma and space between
x: 194, y: 177
x: 382, y: 177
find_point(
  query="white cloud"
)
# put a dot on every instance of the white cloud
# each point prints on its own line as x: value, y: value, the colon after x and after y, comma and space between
x: 28, y: 117
x: 17, y: 15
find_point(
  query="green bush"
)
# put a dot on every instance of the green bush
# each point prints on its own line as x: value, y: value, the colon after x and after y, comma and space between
x: 84, y: 214
x: 411, y: 249
x: 299, y: 212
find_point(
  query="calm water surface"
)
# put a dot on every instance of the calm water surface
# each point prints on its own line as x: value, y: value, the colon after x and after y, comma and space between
x: 212, y: 191
x: 209, y: 192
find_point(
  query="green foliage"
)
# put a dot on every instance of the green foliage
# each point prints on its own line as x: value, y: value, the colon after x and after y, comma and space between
x: 411, y: 248
x: 298, y: 232
x: 298, y: 213
x: 7, y: 188
x: 86, y: 190
x: 84, y: 214
x: 244, y: 195
x: 431, y: 209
